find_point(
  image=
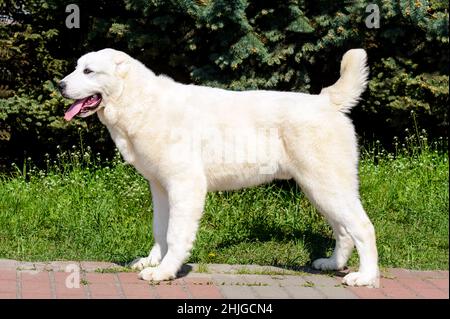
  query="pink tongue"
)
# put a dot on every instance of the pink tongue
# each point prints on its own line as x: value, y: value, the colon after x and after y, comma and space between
x: 74, y: 109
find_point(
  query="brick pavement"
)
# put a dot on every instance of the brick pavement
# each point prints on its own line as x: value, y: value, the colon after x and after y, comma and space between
x: 100, y: 280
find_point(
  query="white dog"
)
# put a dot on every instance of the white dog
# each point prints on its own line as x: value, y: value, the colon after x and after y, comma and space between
x: 187, y: 140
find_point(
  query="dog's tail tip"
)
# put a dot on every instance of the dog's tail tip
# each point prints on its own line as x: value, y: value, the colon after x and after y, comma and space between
x: 346, y: 92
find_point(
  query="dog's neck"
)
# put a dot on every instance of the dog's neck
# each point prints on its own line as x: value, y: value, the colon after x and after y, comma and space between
x: 119, y: 105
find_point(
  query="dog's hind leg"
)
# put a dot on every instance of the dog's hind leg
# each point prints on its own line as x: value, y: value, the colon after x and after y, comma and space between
x: 323, y: 161
x: 360, y: 228
x: 186, y: 201
x: 160, y: 203
x: 342, y: 208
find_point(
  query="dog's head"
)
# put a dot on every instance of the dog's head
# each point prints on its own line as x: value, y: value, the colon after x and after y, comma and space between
x: 99, y: 75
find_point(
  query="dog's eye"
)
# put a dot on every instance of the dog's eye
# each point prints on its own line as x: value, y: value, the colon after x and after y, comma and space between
x: 87, y: 71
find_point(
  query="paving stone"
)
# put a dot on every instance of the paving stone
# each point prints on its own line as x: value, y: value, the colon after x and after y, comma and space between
x: 171, y: 292
x: 8, y: 264
x: 41, y: 266
x: 227, y: 280
x: 288, y: 280
x: 440, y: 283
x: 67, y: 288
x: 331, y: 292
x: 130, y: 278
x: 63, y: 266
x: 415, y: 284
x: 238, y: 292
x: 270, y: 292
x: 260, y: 280
x: 303, y: 292
x: 204, y: 291
x: 244, y: 269
x: 368, y: 293
x: 48, y: 280
x: 7, y: 274
x: 390, y: 283
x: 100, y: 278
x: 138, y: 291
x: 103, y: 290
x: 36, y: 286
x: 36, y: 295
x: 399, y: 273
x: 407, y: 273
x: 8, y: 286
x: 442, y: 273
x: 433, y: 294
x: 23, y: 266
x: 91, y: 266
x: 321, y: 280
x: 198, y: 278
x: 8, y: 295
x: 400, y: 293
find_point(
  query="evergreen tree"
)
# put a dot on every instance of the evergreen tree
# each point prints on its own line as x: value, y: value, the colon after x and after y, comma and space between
x: 291, y: 45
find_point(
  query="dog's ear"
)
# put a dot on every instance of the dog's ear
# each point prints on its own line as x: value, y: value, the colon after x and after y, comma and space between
x: 122, y: 64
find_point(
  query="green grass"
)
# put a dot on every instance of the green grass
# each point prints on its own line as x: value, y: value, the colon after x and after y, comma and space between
x: 77, y: 209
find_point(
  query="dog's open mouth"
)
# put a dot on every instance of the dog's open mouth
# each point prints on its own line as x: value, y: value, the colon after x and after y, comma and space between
x: 83, y: 106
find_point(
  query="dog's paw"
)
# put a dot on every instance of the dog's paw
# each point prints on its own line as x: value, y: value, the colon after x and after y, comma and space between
x: 154, y: 258
x: 325, y: 264
x: 140, y: 263
x: 156, y: 274
x: 362, y: 279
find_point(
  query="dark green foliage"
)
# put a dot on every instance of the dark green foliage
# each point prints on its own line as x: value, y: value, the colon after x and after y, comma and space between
x: 34, y: 56
x: 293, y: 45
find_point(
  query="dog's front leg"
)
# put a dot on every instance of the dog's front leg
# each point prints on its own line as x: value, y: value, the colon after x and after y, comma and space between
x: 160, y: 223
x: 186, y: 202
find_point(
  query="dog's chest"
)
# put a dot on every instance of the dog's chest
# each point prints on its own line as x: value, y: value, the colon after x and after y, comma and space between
x: 120, y: 137
x: 126, y: 141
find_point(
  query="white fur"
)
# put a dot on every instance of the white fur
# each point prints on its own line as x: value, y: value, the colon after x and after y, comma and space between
x: 182, y: 138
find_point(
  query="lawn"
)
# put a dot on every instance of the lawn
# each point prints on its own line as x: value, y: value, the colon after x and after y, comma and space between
x: 80, y: 209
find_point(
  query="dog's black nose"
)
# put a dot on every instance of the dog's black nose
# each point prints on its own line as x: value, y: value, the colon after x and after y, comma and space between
x: 61, y: 86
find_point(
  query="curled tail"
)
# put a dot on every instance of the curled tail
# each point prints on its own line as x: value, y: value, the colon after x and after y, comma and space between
x: 345, y: 93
